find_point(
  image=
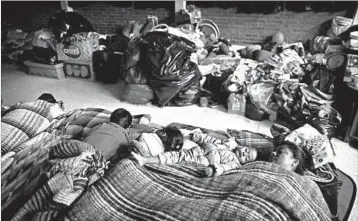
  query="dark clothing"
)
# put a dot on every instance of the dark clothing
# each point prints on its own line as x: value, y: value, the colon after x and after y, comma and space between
x: 108, y: 137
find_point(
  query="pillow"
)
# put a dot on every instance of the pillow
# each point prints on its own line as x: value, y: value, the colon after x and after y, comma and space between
x: 314, y: 142
x: 188, y: 144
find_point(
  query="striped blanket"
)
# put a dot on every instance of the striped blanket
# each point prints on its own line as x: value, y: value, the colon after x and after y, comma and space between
x: 74, y: 166
x: 25, y: 121
x: 257, y: 191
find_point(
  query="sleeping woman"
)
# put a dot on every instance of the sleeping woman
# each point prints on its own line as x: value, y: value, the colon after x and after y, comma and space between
x: 226, y: 156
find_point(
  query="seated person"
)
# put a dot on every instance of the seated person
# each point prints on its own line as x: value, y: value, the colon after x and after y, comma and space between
x: 113, y: 135
x: 292, y: 158
x: 220, y: 156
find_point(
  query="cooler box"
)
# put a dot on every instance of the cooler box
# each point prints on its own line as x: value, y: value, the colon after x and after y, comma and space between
x: 77, y: 55
x: 45, y: 70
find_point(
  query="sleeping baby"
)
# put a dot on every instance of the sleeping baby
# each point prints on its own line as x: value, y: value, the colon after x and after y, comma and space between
x: 220, y: 156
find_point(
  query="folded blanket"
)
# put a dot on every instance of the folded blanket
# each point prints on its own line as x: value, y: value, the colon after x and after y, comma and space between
x: 257, y: 191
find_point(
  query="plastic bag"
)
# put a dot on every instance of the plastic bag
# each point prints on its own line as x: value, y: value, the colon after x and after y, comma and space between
x: 188, y: 96
x: 236, y: 104
x: 131, y: 70
x: 341, y: 24
x: 137, y: 93
x: 260, y: 93
x: 166, y: 60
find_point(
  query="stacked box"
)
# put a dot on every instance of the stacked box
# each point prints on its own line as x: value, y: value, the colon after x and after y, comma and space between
x: 45, y: 70
x: 77, y: 55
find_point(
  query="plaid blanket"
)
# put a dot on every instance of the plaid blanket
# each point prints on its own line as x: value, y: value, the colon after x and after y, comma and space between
x: 25, y: 121
x: 257, y: 191
x: 251, y: 139
x: 74, y: 166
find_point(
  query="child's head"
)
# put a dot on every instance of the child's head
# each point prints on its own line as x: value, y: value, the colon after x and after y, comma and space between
x: 246, y: 154
x: 47, y: 97
x: 172, y: 138
x: 121, y: 117
x: 291, y: 158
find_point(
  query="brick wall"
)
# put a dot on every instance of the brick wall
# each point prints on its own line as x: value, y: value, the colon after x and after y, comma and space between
x: 242, y: 28
x: 248, y: 29
x: 105, y: 18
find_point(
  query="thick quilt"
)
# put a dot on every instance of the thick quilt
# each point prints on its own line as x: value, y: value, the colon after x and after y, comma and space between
x: 26, y: 121
x: 257, y: 191
x: 74, y: 166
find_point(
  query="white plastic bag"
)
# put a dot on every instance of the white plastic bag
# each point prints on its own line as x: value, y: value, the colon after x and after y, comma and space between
x: 236, y: 104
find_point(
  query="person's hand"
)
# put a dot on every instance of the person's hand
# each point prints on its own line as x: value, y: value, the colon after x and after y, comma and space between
x: 138, y: 158
x: 102, y: 47
x: 209, y: 171
x: 218, y: 170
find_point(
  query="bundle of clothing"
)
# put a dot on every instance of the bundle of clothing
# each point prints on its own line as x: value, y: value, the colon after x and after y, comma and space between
x: 14, y: 43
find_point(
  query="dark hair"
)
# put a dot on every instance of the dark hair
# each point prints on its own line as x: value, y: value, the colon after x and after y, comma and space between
x: 302, y: 155
x: 47, y: 97
x: 122, y: 117
x: 263, y: 153
x: 174, y: 139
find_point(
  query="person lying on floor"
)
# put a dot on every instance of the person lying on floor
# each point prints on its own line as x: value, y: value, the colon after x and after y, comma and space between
x: 223, y: 156
x: 115, y: 134
x: 45, y: 97
x: 153, y: 144
x: 219, y: 161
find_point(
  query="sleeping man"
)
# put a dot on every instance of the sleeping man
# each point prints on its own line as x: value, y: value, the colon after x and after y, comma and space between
x: 221, y: 158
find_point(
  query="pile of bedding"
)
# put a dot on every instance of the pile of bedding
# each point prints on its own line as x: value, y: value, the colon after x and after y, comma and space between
x: 179, y: 192
x: 161, y: 192
x: 25, y: 121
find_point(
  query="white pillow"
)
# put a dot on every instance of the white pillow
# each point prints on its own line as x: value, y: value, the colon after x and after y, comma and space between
x: 188, y: 144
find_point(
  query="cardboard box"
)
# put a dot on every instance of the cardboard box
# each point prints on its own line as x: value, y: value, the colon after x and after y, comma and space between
x: 45, y: 70
x: 79, y: 69
x: 77, y: 50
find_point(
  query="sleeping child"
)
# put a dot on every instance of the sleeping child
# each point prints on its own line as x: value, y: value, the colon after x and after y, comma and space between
x: 152, y: 144
x: 219, y: 156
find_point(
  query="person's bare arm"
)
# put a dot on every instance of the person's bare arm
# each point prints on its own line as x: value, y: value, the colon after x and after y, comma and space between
x: 228, y: 162
x: 136, y: 130
x: 145, y: 160
x: 171, y: 157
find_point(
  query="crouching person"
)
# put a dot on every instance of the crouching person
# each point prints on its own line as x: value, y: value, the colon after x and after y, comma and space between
x: 114, y: 135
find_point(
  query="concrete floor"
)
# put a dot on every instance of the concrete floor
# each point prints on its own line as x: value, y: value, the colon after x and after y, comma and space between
x: 16, y: 86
